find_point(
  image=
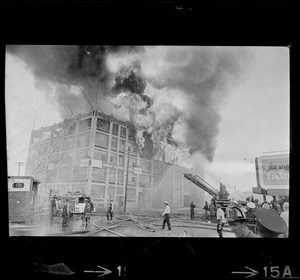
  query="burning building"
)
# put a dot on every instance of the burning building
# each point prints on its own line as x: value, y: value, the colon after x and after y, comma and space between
x: 162, y: 103
x: 93, y: 153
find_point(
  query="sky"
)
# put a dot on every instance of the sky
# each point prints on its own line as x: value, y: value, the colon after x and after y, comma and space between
x: 256, y: 119
x: 254, y: 113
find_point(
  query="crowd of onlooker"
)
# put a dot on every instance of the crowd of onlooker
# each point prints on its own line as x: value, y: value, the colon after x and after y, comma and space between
x: 249, y: 209
x: 277, y: 204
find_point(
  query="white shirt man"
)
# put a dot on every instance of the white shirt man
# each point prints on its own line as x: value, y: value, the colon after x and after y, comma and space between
x: 220, y: 219
x: 220, y: 215
x: 56, y: 203
x: 166, y: 215
x: 285, y: 215
x: 167, y: 210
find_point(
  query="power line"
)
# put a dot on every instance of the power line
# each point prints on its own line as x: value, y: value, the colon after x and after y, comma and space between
x: 10, y: 157
x: 276, y: 152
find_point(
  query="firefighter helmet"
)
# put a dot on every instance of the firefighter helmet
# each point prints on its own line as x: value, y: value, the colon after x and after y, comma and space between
x: 265, y: 202
x: 251, y: 205
x: 235, y: 214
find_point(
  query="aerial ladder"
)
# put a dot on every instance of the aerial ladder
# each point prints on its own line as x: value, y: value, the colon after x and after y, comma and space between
x: 67, y: 126
x: 62, y: 133
x: 221, y: 196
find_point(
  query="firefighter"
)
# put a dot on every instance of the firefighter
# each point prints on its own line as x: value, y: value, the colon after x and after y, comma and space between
x: 206, y: 209
x: 110, y: 210
x: 213, y: 200
x: 92, y: 204
x: 53, y: 209
x: 212, y: 211
x: 269, y: 223
x: 65, y: 213
x: 86, y: 213
x: 192, y: 209
x: 236, y: 220
x: 250, y: 215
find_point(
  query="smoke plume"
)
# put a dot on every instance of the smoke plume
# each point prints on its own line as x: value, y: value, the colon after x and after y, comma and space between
x: 172, y: 95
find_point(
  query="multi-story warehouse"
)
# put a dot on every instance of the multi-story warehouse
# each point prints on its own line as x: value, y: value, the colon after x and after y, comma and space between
x: 93, y: 154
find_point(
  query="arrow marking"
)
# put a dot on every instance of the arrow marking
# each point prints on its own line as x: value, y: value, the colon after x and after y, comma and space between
x: 103, y: 272
x: 251, y: 273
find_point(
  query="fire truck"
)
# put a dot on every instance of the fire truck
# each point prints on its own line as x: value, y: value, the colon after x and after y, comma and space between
x: 221, y: 196
x: 76, y: 202
x: 22, y: 199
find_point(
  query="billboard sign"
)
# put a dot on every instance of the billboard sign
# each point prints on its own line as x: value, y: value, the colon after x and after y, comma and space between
x: 273, y: 172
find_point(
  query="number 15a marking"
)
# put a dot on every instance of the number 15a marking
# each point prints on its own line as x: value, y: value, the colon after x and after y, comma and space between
x: 274, y: 272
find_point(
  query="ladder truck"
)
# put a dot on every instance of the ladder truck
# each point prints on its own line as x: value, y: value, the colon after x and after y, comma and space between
x: 23, y: 191
x: 221, y: 196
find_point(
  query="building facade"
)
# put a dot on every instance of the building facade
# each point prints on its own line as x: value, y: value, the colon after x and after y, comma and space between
x: 93, y: 153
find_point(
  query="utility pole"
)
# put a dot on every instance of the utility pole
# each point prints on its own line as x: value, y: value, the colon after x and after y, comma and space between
x: 125, y: 199
x: 19, y: 163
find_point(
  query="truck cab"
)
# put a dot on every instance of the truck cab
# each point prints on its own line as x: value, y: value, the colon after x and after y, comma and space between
x: 22, y: 198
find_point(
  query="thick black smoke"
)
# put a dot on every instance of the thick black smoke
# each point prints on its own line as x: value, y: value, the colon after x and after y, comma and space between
x: 66, y: 66
x: 205, y: 75
x: 202, y: 75
x: 130, y: 79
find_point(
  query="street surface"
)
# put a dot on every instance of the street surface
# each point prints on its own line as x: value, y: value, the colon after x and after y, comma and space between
x: 133, y: 224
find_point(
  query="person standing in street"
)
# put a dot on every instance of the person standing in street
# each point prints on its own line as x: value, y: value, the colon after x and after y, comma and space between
x: 53, y: 209
x: 166, y: 215
x: 192, y: 209
x: 285, y: 215
x: 65, y: 213
x: 212, y: 211
x: 86, y: 213
x: 206, y: 209
x: 220, y: 219
x: 110, y: 210
x: 92, y: 204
